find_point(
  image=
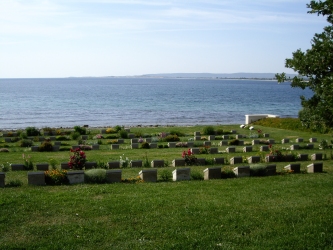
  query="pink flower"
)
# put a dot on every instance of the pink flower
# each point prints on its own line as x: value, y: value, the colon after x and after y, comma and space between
x: 184, y: 154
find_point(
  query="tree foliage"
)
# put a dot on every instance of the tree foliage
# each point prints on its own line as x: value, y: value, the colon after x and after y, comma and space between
x: 314, y: 67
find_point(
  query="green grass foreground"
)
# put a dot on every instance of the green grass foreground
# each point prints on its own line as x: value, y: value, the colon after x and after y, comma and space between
x: 286, y: 211
x: 280, y: 212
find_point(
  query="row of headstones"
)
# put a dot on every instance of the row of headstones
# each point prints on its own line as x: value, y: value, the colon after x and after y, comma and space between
x: 56, y: 147
x: 263, y: 148
x: 135, y: 144
x: 175, y: 163
x: 42, y: 138
x: 179, y: 174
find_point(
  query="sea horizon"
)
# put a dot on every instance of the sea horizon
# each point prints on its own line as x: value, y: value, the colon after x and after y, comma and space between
x: 140, y: 101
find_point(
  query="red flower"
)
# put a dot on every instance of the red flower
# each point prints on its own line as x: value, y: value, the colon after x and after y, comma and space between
x: 184, y: 154
x: 189, y: 152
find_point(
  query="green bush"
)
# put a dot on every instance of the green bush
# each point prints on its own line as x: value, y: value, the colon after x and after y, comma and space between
x: 176, y: 132
x: 138, y: 134
x: 102, y: 165
x: 75, y: 135
x: 282, y: 123
x: 145, y: 145
x: 257, y: 170
x: 114, y: 136
x: 62, y: 138
x: 5, y: 167
x: 123, y: 134
x: 56, y: 177
x: 208, y: 130
x: 14, y: 183
x: 219, y: 131
x: 234, y: 142
x: 227, y: 174
x: 32, y: 131
x: 197, y: 176
x: 46, y: 146
x: 95, y: 176
x: 117, y: 128
x: 23, y: 135
x: 80, y: 130
x: 170, y: 138
x: 166, y: 175
x: 26, y: 143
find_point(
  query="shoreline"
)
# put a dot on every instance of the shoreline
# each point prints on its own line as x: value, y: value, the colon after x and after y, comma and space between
x: 130, y: 126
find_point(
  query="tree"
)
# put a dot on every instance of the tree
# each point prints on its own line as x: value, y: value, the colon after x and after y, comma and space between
x: 314, y: 68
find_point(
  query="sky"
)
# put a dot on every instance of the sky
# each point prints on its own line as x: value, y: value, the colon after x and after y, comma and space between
x: 77, y: 38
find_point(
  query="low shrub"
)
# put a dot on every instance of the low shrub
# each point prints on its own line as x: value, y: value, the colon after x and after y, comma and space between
x: 114, y: 136
x: 28, y: 164
x: 26, y: 143
x: 282, y: 123
x: 85, y: 147
x: 219, y: 131
x: 176, y: 132
x: 138, y: 134
x: 46, y: 146
x: 32, y: 131
x: 118, y: 128
x: 111, y: 131
x: 75, y: 135
x: 95, y: 176
x: 166, y: 175
x: 80, y: 130
x: 102, y: 165
x: 14, y: 183
x: 53, y: 163
x: 257, y: 170
x: 23, y: 135
x: 170, y: 138
x: 56, y: 177
x: 197, y: 176
x: 62, y: 138
x: 234, y: 142
x: 209, y: 162
x: 123, y: 134
x: 208, y: 130
x: 14, y: 139
x: 146, y: 163
x: 226, y: 174
x: 204, y: 150
x: 145, y: 145
x: 5, y: 167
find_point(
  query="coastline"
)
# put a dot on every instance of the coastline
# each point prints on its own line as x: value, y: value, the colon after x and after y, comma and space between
x: 129, y: 126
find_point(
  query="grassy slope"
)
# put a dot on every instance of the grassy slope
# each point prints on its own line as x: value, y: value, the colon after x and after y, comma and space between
x: 290, y: 211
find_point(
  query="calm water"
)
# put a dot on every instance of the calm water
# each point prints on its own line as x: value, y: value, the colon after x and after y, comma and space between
x: 139, y: 101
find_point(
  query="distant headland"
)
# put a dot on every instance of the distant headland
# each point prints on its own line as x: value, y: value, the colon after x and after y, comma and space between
x: 256, y: 76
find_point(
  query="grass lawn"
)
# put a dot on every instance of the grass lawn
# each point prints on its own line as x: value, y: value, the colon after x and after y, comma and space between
x: 285, y: 211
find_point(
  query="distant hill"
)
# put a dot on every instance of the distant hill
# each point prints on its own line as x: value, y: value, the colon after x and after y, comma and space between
x: 213, y: 75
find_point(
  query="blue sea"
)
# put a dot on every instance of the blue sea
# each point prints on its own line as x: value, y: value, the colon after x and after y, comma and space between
x: 97, y: 102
